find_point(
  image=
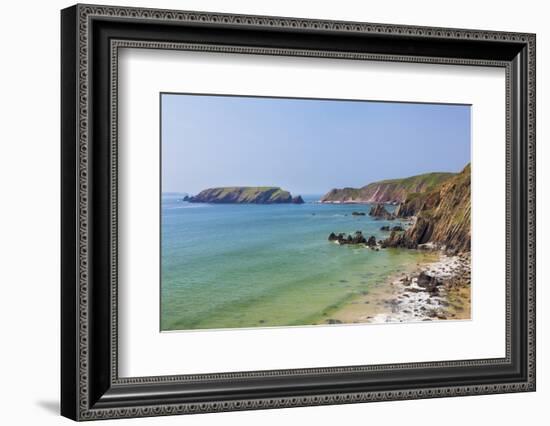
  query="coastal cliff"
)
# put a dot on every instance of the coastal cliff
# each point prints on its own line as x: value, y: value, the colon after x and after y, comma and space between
x: 387, y: 191
x: 245, y: 195
x: 442, y: 216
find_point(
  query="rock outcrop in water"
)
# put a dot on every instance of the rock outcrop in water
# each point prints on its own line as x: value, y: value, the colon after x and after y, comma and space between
x: 442, y: 217
x: 387, y: 191
x: 379, y: 212
x: 356, y: 238
x: 245, y: 195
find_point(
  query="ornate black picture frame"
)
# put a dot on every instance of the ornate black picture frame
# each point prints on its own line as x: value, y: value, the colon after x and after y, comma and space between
x: 90, y: 38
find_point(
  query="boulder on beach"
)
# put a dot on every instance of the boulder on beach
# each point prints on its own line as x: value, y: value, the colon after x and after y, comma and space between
x: 424, y: 280
x: 429, y: 282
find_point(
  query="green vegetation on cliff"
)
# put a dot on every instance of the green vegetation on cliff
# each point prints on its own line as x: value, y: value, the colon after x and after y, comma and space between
x: 442, y: 216
x: 245, y: 194
x: 387, y: 191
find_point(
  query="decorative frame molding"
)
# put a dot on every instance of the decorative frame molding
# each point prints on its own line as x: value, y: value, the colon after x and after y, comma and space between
x: 91, y: 37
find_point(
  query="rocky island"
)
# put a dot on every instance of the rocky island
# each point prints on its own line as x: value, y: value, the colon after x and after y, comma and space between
x: 245, y: 195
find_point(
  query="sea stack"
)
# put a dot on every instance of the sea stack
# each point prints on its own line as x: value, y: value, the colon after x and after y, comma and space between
x: 297, y: 200
x: 379, y: 212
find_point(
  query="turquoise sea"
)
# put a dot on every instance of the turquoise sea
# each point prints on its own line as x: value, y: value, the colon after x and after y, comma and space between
x: 246, y: 265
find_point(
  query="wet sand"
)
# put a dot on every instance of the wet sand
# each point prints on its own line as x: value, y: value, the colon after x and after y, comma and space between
x: 439, y: 290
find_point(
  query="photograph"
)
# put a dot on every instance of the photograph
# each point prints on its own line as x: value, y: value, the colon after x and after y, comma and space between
x: 281, y: 212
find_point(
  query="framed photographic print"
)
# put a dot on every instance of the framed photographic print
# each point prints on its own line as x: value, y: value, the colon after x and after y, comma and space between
x: 263, y: 212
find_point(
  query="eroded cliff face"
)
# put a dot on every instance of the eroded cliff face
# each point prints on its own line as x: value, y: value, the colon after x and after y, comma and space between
x: 245, y: 195
x: 387, y: 191
x: 442, y: 216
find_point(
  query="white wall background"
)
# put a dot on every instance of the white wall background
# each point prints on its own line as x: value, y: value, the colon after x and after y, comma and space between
x: 29, y: 213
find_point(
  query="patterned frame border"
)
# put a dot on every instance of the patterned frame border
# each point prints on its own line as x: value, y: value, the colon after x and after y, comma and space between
x: 116, y: 45
x: 86, y: 13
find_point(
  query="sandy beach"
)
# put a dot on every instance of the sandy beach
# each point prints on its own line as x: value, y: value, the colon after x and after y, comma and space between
x: 438, y: 290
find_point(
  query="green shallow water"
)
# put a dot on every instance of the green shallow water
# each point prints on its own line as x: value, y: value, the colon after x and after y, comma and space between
x: 232, y: 266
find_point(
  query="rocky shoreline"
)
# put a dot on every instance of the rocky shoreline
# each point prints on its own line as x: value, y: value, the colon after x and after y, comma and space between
x: 433, y: 291
x: 439, y: 291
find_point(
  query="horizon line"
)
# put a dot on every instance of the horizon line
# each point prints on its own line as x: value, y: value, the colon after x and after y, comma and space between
x: 315, y: 193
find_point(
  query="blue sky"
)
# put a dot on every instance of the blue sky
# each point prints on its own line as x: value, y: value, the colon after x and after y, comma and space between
x: 305, y: 146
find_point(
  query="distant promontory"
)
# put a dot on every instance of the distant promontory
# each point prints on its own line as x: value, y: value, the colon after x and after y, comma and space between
x: 386, y: 191
x: 245, y: 195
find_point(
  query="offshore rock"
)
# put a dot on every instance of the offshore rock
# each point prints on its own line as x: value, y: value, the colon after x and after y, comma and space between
x: 379, y: 212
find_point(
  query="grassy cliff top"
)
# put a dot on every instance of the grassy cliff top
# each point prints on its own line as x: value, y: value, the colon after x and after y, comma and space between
x: 426, y: 180
x: 245, y: 194
x: 389, y: 190
x: 245, y: 190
